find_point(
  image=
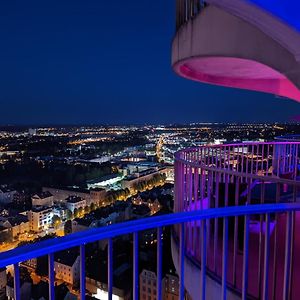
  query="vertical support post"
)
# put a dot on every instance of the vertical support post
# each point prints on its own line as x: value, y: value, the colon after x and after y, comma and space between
x: 235, y: 236
x: 226, y: 200
x: 82, y: 272
x: 245, y: 259
x: 266, y: 258
x: 181, y: 262
x: 296, y: 161
x: 275, y: 244
x: 268, y: 154
x: 51, y: 276
x: 224, y: 258
x: 216, y: 221
x: 262, y: 159
x: 287, y: 257
x: 210, y: 190
x: 242, y: 164
x: 110, y: 268
x: 291, y: 269
x: 257, y: 158
x: 203, y: 259
x: 262, y: 201
x: 17, y: 295
x: 135, y: 266
x: 159, y: 264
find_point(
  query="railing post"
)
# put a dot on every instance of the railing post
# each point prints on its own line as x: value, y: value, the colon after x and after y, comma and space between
x: 82, y: 272
x: 181, y: 262
x: 266, y: 258
x: 203, y: 259
x: 287, y: 258
x: 216, y: 221
x: 292, y: 255
x: 262, y: 201
x: 245, y: 258
x: 110, y: 268
x: 235, y: 235
x: 17, y: 295
x: 135, y: 266
x: 159, y: 264
x: 224, y: 258
x: 275, y: 244
x: 51, y: 276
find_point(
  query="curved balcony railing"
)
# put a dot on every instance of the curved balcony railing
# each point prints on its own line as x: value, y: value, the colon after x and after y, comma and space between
x: 49, y: 247
x: 233, y: 175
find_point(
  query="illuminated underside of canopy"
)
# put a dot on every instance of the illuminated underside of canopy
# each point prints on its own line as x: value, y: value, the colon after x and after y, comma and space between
x: 240, y: 46
x: 237, y: 73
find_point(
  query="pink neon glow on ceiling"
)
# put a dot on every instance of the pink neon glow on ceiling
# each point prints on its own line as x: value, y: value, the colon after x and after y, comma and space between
x: 238, y: 73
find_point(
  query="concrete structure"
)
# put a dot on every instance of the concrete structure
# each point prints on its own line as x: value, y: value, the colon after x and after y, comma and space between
x: 107, y: 181
x: 137, y: 167
x: 59, y: 195
x: 18, y: 224
x: 97, y: 196
x: 40, y: 218
x: 148, y: 285
x: 42, y: 199
x: 237, y: 44
x: 170, y: 287
x: 66, y: 266
x: 132, y: 180
x: 74, y: 202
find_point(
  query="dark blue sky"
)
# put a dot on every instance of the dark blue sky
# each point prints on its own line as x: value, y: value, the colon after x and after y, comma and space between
x: 108, y: 61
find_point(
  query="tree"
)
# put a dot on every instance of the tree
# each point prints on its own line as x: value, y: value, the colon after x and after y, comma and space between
x: 68, y: 227
x: 80, y: 211
x: 76, y: 214
x: 56, y: 220
x: 92, y: 206
x: 110, y: 199
x: 127, y: 192
x: 87, y: 209
x: 69, y: 214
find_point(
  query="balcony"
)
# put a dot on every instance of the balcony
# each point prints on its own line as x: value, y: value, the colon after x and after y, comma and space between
x: 235, y: 227
x: 229, y: 177
x: 239, y: 44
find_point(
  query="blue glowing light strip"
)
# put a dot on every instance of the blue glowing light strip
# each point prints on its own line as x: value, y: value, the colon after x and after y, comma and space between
x: 24, y: 253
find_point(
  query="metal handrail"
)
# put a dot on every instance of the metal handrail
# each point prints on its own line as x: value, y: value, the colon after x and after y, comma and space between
x: 38, y: 249
x: 201, y: 162
x: 273, y: 179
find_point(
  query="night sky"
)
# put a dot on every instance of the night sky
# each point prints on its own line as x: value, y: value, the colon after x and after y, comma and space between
x: 108, y: 61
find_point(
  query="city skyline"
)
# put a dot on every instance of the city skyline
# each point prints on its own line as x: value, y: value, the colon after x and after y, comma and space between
x: 56, y: 69
x: 150, y: 150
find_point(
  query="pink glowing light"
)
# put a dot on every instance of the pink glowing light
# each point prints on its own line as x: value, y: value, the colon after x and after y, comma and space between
x: 238, y: 73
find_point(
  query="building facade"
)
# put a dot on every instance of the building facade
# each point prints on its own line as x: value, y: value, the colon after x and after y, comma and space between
x: 148, y: 285
x: 40, y: 218
x: 42, y: 199
x: 66, y: 268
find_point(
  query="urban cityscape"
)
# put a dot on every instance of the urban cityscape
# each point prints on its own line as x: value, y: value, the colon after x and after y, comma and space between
x: 60, y: 180
x: 150, y: 150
